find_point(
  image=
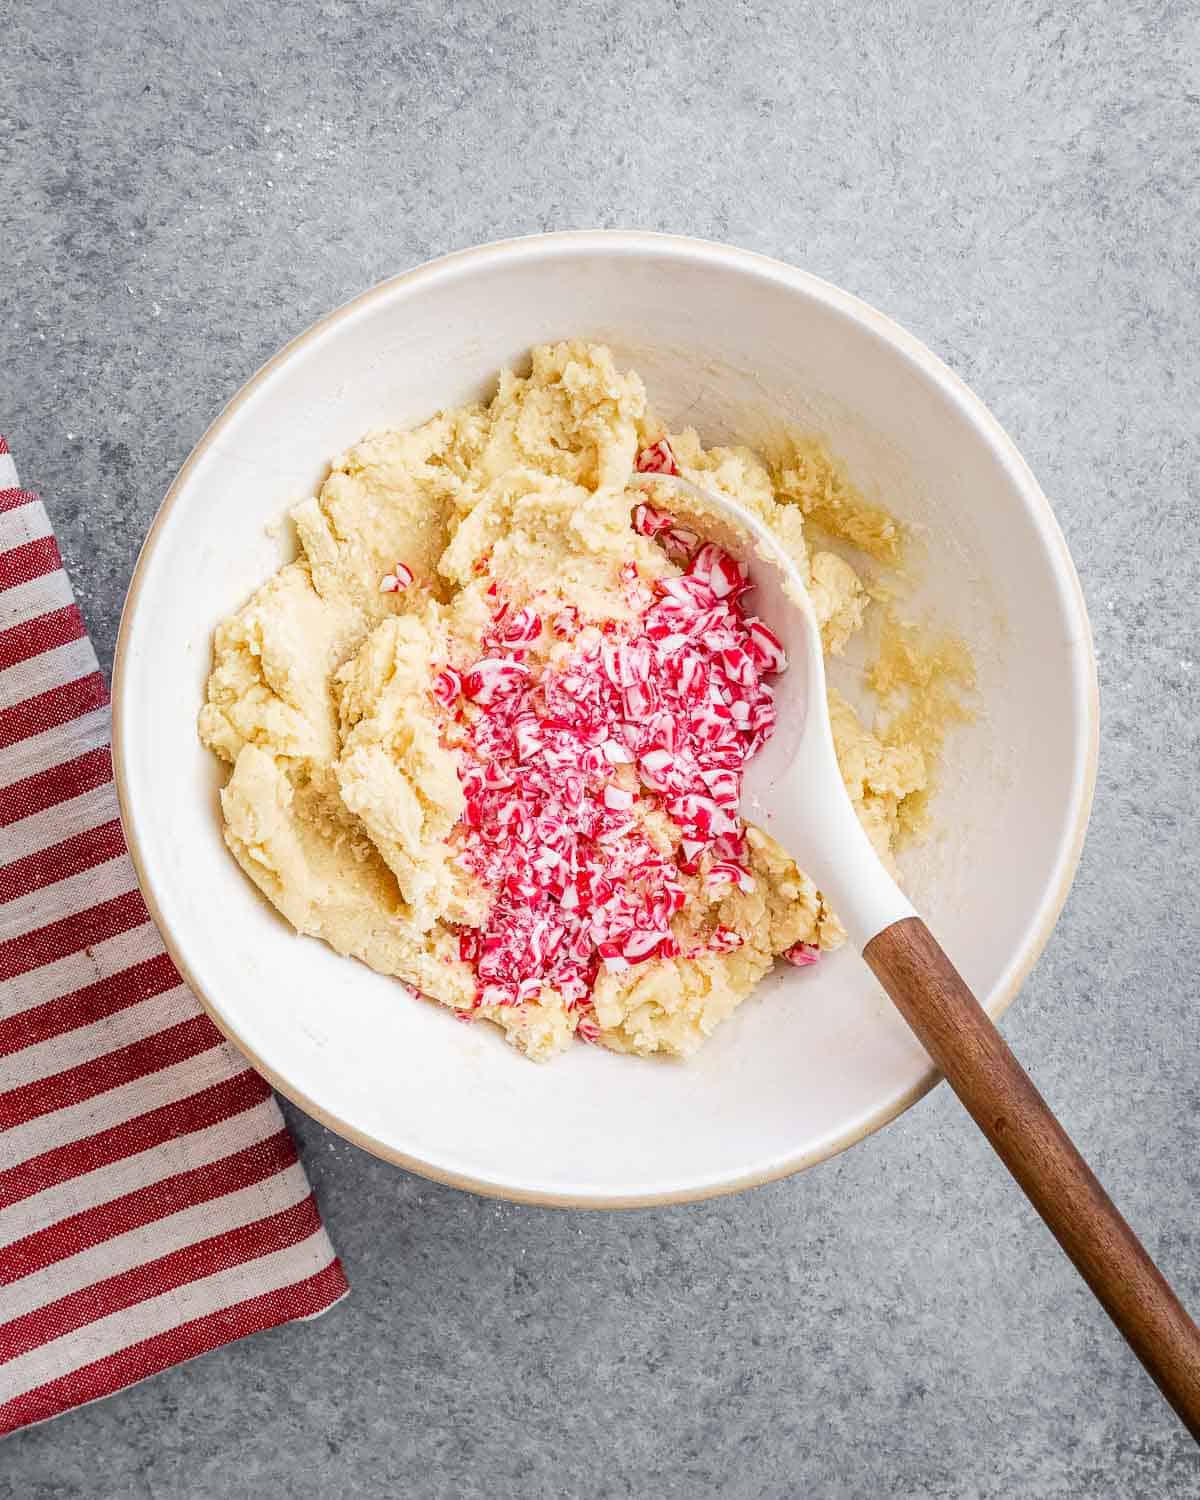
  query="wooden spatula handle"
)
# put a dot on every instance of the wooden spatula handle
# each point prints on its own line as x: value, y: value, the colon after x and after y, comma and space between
x: 955, y: 1030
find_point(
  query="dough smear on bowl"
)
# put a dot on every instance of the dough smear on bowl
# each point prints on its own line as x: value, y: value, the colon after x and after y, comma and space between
x: 485, y: 732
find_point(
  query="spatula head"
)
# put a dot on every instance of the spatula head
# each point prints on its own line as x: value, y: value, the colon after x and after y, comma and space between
x: 793, y: 787
x: 780, y: 599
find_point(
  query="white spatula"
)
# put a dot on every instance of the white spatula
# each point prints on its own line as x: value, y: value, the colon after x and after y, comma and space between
x: 793, y: 789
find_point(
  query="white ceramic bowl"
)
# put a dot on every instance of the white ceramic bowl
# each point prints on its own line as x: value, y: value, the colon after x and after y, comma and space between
x: 736, y: 345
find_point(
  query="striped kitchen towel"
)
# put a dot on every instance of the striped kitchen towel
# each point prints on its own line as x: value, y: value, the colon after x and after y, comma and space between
x: 151, y: 1203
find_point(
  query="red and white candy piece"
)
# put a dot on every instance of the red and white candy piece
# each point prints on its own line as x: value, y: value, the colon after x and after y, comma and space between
x: 639, y: 946
x: 493, y: 678
x: 802, y: 955
x: 611, y: 957
x: 765, y: 647
x: 565, y: 623
x: 725, y: 940
x: 725, y: 872
x: 657, y: 459
x: 523, y: 628
x: 723, y: 574
x: 447, y: 687
x: 393, y: 582
x: 648, y: 520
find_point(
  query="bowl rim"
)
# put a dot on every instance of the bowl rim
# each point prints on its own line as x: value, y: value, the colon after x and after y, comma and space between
x: 1004, y: 450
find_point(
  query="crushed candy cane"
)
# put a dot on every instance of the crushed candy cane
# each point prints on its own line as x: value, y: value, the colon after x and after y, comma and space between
x: 648, y: 520
x: 399, y: 578
x: 447, y: 687
x: 492, y: 678
x: 802, y: 954
x: 560, y: 759
x: 725, y: 940
x: 726, y: 872
x: 657, y: 459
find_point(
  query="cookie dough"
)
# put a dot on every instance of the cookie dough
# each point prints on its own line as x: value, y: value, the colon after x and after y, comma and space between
x: 361, y: 747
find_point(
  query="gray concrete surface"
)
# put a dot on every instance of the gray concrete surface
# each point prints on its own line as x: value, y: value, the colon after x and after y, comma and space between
x: 185, y: 186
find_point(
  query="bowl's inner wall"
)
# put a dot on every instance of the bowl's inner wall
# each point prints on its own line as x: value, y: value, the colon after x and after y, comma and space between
x: 818, y: 1056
